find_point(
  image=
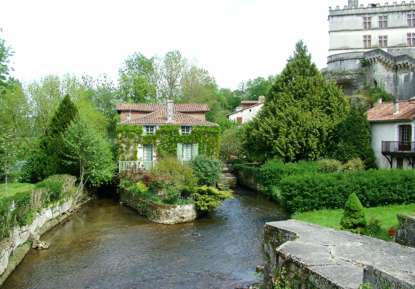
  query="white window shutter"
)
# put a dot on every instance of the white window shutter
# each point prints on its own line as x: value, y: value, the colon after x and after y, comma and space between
x: 195, y: 150
x: 140, y: 152
x: 179, y: 151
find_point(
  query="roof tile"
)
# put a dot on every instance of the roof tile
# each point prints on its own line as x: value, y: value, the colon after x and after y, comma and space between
x: 384, y: 112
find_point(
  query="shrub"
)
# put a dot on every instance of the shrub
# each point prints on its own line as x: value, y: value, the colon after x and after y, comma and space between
x: 231, y: 144
x: 206, y: 199
x: 206, y: 170
x: 329, y: 166
x: 170, y: 178
x: 355, y: 164
x: 54, y: 186
x: 354, y: 216
x: 330, y: 191
x: 272, y: 172
x: 373, y: 228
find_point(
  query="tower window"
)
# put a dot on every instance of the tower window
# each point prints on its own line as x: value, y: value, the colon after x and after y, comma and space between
x: 367, y: 22
x: 367, y: 41
x: 411, y: 39
x: 411, y: 19
x: 383, y: 21
x: 383, y: 41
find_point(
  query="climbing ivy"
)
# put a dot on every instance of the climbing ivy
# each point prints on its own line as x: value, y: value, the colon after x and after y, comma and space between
x: 166, y: 139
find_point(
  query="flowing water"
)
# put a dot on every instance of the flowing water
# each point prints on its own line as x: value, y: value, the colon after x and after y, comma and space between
x: 108, y: 246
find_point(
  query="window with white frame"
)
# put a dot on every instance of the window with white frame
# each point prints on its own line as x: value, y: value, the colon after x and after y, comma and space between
x: 186, y: 129
x: 367, y: 41
x: 411, y: 39
x: 411, y: 19
x: 383, y: 21
x: 383, y: 41
x: 149, y: 129
x: 367, y: 22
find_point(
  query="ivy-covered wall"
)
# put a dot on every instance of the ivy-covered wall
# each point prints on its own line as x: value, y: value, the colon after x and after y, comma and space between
x: 165, y: 140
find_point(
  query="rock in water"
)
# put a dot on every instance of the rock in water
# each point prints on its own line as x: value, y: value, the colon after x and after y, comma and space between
x: 37, y: 244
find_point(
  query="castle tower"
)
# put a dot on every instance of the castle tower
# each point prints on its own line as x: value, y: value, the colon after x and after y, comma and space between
x: 353, y: 3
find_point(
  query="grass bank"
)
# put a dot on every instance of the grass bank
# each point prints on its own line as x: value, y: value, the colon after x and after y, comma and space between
x: 14, y: 188
x: 386, y: 215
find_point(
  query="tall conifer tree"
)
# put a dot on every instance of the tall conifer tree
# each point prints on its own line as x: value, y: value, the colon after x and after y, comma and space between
x: 301, y: 111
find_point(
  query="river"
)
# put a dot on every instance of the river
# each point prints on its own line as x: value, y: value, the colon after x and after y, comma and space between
x: 108, y: 246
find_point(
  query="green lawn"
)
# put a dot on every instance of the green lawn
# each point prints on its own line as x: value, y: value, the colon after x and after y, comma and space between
x: 15, y: 188
x: 386, y: 216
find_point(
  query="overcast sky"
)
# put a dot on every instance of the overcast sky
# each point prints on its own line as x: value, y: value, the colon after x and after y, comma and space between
x: 234, y: 39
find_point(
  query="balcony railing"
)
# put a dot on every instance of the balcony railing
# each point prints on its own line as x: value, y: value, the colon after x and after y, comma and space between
x: 398, y: 147
x: 134, y: 166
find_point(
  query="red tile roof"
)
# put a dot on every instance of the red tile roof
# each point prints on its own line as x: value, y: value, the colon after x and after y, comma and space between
x: 384, y: 112
x: 149, y: 107
x: 159, y: 117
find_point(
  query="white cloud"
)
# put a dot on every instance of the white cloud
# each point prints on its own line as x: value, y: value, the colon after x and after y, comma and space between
x: 234, y: 39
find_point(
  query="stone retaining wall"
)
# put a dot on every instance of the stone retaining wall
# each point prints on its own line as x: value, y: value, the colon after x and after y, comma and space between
x: 301, y: 255
x: 17, y: 245
x: 406, y: 233
x: 159, y: 213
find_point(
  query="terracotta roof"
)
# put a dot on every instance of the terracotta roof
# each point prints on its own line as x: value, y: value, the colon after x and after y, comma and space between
x: 149, y: 107
x: 159, y: 117
x: 385, y: 112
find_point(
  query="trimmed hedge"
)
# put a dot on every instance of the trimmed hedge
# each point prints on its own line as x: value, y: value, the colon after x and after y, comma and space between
x: 330, y: 191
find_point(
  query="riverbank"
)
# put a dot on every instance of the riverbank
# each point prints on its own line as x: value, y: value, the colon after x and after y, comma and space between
x: 106, y: 245
x: 35, y: 211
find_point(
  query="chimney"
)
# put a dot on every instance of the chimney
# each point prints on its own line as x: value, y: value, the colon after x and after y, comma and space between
x: 396, y: 107
x: 353, y: 4
x: 170, y: 110
x: 261, y: 99
x: 380, y: 101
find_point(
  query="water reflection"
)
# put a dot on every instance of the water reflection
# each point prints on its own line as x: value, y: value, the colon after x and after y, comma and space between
x: 106, y: 245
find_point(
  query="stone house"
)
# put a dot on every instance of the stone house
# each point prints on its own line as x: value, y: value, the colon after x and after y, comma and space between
x: 373, y: 46
x: 147, y: 131
x: 393, y: 137
x: 247, y: 110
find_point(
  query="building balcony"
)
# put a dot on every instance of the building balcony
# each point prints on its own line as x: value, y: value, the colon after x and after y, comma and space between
x: 398, y: 148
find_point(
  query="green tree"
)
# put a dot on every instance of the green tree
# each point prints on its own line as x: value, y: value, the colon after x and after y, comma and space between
x: 172, y: 71
x: 5, y: 53
x: 352, y: 138
x: 88, y: 153
x: 138, y: 79
x: 46, y: 160
x: 301, y: 111
x: 257, y: 87
x: 354, y: 216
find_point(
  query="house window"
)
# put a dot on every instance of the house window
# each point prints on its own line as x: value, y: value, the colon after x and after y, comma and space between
x: 148, y: 157
x: 187, y: 152
x: 367, y: 22
x: 383, y: 41
x: 367, y: 41
x: 411, y: 39
x: 383, y: 21
x: 411, y: 19
x: 186, y: 129
x: 149, y: 129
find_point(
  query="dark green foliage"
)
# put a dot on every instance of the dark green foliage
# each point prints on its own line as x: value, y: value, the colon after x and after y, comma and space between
x: 354, y: 216
x: 231, y: 143
x: 376, y: 93
x: 272, y: 172
x: 373, y: 228
x: 301, y: 111
x: 330, y: 191
x: 206, y: 170
x: 352, y: 139
x: 206, y: 199
x: 46, y: 160
x: 167, y: 137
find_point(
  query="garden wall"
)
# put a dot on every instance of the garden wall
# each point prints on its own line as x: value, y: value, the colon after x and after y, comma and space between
x: 406, y: 233
x: 40, y: 215
x: 159, y: 213
x: 300, y: 255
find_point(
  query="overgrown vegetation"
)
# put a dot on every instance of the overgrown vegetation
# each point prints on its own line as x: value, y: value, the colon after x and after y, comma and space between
x: 207, y: 170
